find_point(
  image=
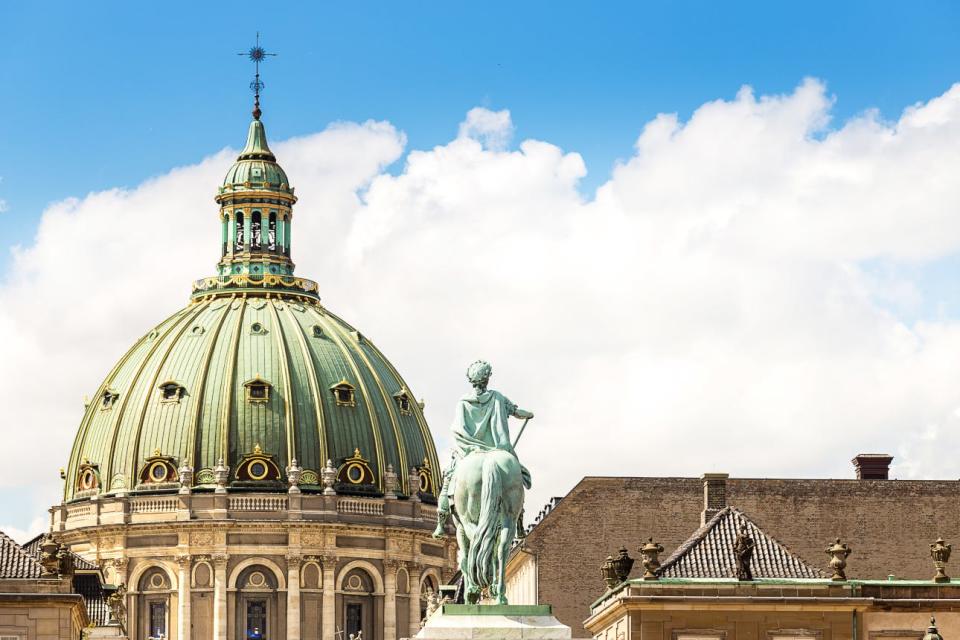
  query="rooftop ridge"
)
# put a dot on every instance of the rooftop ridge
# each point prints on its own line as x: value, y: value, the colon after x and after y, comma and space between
x: 708, y: 553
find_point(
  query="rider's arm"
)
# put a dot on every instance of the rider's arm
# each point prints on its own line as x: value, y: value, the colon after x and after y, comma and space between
x: 522, y: 413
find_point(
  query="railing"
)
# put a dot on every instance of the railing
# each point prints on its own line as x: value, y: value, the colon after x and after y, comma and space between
x: 258, y: 503
x: 153, y: 505
x: 360, y: 507
x: 79, y: 510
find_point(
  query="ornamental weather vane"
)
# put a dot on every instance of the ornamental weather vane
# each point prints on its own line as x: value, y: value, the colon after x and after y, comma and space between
x: 257, y: 54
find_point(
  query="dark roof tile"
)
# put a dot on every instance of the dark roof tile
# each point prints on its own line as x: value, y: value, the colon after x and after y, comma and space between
x: 708, y: 553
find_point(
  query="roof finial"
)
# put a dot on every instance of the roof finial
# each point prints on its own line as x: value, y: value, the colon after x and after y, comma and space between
x: 257, y: 54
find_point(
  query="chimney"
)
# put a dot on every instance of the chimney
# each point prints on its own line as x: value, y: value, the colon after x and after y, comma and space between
x: 714, y: 495
x: 872, y: 466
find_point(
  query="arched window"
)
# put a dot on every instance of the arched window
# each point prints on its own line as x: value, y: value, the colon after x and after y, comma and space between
x: 272, y: 232
x: 155, y: 604
x: 257, y: 602
x: 255, y: 231
x: 358, y: 604
x: 286, y: 235
x: 224, y: 233
x: 238, y: 223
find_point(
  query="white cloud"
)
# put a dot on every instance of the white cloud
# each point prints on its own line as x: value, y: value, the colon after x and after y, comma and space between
x: 492, y: 129
x: 34, y: 527
x: 713, y: 307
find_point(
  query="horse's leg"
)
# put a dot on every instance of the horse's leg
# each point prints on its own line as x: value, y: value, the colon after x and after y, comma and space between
x: 508, y: 530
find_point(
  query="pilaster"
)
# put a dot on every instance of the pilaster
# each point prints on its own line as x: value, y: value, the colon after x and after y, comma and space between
x: 183, y: 596
x: 293, y: 596
x: 220, y: 595
x: 329, y: 564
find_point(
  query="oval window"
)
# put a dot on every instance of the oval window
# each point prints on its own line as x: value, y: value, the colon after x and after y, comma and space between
x: 258, y: 470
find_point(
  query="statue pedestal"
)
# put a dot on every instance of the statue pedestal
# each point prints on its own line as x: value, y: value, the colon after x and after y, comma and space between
x: 493, y: 622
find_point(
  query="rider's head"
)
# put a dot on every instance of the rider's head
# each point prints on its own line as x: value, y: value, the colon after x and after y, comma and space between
x: 479, y: 374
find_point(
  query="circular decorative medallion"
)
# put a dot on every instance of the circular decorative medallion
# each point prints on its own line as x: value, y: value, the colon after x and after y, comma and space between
x: 257, y: 579
x: 354, y: 583
x: 258, y: 470
x: 355, y: 473
x: 158, y: 472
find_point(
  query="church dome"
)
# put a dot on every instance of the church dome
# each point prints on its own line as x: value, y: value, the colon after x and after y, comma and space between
x: 252, y: 377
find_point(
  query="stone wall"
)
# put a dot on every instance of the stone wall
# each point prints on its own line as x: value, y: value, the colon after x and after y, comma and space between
x: 52, y: 619
x: 888, y: 523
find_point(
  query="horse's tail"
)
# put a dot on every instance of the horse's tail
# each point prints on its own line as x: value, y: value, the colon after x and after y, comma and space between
x: 486, y: 533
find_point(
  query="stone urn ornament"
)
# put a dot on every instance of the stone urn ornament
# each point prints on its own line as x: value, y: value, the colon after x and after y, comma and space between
x: 390, y: 483
x: 622, y: 565
x: 609, y: 572
x: 294, y: 473
x: 650, y: 557
x: 222, y: 474
x: 328, y: 475
x: 932, y: 632
x: 838, y: 559
x: 940, y: 552
x: 186, y: 479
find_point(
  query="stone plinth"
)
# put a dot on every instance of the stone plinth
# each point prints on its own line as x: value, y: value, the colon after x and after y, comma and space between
x: 493, y: 622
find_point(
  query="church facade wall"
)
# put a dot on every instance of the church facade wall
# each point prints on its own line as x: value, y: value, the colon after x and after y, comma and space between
x: 293, y: 575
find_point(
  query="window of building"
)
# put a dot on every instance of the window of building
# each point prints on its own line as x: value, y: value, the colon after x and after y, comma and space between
x: 255, y: 238
x: 256, y: 618
x: 257, y: 329
x: 108, y: 399
x: 403, y: 402
x: 272, y: 232
x: 171, y: 392
x: 238, y: 245
x: 158, y: 620
x: 317, y: 331
x: 343, y: 393
x: 257, y: 390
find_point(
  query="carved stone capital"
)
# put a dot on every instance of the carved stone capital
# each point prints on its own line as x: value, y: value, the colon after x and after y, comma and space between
x: 328, y: 561
x: 220, y: 560
x: 120, y: 564
x: 294, y: 560
x: 392, y: 564
x: 185, y: 560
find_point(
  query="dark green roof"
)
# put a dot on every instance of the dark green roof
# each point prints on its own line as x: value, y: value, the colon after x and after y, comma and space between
x: 214, y: 346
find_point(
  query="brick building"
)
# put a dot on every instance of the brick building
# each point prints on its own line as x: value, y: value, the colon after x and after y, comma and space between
x: 888, y: 523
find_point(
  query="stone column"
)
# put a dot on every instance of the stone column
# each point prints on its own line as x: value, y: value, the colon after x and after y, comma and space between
x: 293, y: 597
x: 414, y: 572
x: 220, y: 595
x: 329, y: 612
x: 390, y: 599
x: 183, y: 596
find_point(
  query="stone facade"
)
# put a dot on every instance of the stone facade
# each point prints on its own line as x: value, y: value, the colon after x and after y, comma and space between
x: 782, y: 610
x: 40, y: 610
x: 889, y: 523
x: 299, y: 566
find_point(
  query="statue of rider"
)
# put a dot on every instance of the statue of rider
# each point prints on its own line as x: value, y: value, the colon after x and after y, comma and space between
x: 480, y: 423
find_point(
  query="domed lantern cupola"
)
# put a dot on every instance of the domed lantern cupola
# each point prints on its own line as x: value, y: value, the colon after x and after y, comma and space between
x: 256, y: 204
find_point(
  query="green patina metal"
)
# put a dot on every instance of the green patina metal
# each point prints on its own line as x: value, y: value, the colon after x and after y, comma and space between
x: 253, y: 321
x: 510, y: 610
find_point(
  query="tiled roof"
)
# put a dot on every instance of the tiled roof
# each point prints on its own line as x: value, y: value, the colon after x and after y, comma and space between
x: 86, y: 582
x: 15, y: 561
x: 709, y: 552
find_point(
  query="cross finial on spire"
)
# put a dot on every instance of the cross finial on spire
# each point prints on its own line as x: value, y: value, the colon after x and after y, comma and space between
x: 257, y: 54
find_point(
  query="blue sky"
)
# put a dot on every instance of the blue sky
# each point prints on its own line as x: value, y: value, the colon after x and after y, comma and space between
x: 744, y: 271
x: 105, y: 94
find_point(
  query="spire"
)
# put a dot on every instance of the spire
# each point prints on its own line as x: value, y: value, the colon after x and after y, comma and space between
x: 257, y: 54
x: 256, y: 147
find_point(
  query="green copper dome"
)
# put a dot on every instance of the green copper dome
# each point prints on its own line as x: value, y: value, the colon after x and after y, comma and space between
x: 253, y: 369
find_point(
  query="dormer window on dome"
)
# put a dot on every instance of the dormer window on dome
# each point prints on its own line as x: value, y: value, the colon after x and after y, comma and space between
x: 404, y: 403
x: 107, y: 399
x: 158, y: 469
x: 355, y: 470
x: 257, y: 390
x: 258, y: 467
x: 343, y: 393
x: 88, y: 478
x: 171, y: 391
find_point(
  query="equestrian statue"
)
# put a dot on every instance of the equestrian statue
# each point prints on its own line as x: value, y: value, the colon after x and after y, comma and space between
x: 487, y: 482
